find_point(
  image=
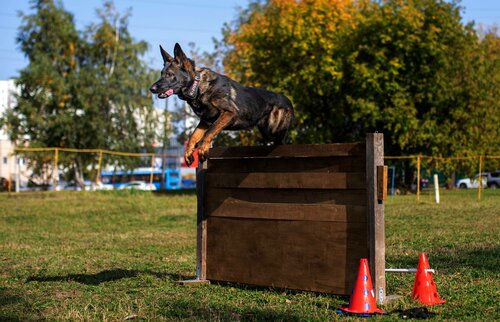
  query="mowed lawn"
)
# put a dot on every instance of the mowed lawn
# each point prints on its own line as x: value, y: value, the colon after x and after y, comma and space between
x: 112, y: 256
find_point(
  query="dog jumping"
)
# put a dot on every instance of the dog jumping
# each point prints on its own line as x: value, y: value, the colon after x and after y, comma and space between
x: 221, y: 103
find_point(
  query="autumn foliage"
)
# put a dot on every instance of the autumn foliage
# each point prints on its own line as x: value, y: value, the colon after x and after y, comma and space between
x: 408, y: 68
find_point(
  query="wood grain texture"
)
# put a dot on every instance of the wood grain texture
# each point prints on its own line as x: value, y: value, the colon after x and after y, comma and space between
x: 288, y: 180
x: 310, y: 164
x: 290, y: 196
x: 382, y: 172
x: 314, y: 256
x: 376, y: 228
x: 295, y: 151
x: 283, y: 211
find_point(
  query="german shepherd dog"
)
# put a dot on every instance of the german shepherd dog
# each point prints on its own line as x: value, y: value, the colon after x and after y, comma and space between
x: 221, y: 103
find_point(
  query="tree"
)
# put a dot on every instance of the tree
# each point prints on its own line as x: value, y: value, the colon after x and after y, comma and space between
x: 407, y: 72
x: 410, y: 69
x: 291, y: 46
x: 81, y: 90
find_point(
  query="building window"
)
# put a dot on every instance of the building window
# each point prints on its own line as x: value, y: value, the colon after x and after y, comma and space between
x: 5, y: 160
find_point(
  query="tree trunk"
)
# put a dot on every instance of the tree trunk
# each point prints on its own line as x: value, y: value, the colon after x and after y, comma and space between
x: 79, y: 173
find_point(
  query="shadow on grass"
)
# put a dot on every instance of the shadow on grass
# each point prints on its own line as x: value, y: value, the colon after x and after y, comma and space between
x: 194, y: 310
x: 486, y: 259
x: 104, y: 276
x: 15, y: 306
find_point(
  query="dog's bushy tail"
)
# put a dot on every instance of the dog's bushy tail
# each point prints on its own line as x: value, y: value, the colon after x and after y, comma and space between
x: 280, y: 120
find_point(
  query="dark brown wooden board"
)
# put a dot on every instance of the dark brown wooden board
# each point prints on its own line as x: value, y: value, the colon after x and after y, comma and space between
x: 310, y: 164
x: 306, y: 255
x: 288, y: 180
x: 283, y: 211
x: 382, y: 172
x: 291, y: 196
x: 296, y: 150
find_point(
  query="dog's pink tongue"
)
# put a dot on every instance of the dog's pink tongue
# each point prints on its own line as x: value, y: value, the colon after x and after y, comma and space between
x: 169, y: 92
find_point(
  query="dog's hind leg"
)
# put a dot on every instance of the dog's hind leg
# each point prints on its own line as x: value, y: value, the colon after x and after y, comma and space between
x: 276, y: 126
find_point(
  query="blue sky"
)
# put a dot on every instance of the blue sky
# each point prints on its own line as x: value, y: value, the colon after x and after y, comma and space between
x: 168, y: 21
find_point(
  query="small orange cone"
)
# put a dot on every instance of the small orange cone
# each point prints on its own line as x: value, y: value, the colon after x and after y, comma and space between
x: 424, y: 289
x: 362, y: 298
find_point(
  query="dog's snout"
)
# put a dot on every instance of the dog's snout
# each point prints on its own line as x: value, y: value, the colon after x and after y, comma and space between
x: 153, y: 88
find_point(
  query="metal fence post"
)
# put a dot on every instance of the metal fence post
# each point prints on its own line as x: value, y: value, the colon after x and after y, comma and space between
x: 99, y: 162
x: 55, y: 174
x: 480, y: 185
x: 152, y: 169
x: 418, y: 177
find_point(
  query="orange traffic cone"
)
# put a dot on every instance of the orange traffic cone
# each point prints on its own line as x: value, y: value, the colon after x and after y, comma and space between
x: 362, y: 298
x: 424, y: 289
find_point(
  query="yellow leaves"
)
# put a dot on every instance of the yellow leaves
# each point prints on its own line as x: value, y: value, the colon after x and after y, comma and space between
x: 287, y: 33
x: 395, y: 63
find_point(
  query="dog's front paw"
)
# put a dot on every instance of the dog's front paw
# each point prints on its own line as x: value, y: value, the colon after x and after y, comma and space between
x: 189, y: 158
x: 203, y: 153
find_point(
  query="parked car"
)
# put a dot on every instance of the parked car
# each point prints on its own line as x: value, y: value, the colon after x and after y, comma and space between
x: 493, y: 179
x: 424, y: 184
x: 468, y: 183
x: 139, y: 185
x: 102, y: 186
x: 72, y: 185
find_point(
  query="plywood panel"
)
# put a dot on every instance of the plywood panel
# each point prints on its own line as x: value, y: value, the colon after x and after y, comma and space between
x: 314, y: 256
x: 302, y: 180
x: 304, y: 150
x: 282, y: 211
x: 312, y: 164
x: 291, y: 196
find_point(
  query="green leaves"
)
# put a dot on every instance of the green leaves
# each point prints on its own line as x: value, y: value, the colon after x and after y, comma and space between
x: 82, y: 89
x: 410, y: 69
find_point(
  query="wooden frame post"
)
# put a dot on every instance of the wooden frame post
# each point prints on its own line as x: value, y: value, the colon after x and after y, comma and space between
x: 201, y: 228
x: 376, y: 227
x: 201, y: 240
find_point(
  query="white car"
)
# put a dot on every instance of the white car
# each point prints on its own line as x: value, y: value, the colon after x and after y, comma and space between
x: 102, y: 186
x: 473, y: 183
x: 139, y: 185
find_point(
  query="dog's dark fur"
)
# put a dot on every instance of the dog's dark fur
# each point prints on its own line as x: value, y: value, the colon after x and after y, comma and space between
x: 221, y: 103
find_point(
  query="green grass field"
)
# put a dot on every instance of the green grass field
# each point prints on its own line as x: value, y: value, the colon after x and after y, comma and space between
x: 108, y: 256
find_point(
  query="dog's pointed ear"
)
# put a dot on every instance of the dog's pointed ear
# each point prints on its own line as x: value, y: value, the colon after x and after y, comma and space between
x: 178, y: 53
x: 182, y: 59
x: 166, y: 56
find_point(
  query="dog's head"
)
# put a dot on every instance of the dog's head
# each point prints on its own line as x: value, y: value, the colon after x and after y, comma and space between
x: 177, y: 73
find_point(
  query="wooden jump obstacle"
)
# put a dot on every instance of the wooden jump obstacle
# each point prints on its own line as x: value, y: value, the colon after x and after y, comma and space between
x: 293, y: 216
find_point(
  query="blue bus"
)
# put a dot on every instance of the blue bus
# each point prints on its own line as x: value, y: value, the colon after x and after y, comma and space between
x: 120, y: 178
